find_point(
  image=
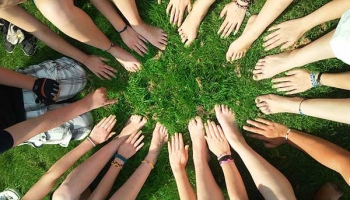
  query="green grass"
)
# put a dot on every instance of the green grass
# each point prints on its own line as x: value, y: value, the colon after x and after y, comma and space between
x: 183, y: 83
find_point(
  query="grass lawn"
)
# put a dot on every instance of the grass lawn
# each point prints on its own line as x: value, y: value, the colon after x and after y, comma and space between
x: 180, y: 83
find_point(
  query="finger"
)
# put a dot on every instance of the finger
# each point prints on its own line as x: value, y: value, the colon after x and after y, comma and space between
x: 187, y: 147
x: 173, y: 143
x: 98, y: 75
x: 223, y: 12
x: 181, y: 141
x: 264, y: 121
x: 221, y: 132
x: 172, y: 15
x: 238, y: 26
x: 104, y: 75
x: 222, y: 27
x: 111, y: 101
x: 215, y: 130
x: 189, y: 7
x: 139, y: 147
x: 293, y: 92
x: 226, y: 30
x: 101, y: 122
x: 168, y: 8
x: 135, y: 137
x: 293, y: 72
x: 176, y: 17
x: 110, y: 68
x: 103, y: 59
x: 284, y: 89
x: 177, y: 141
x: 206, y: 128
x: 138, y: 141
x: 286, y: 45
x: 111, y: 125
x: 278, y: 26
x: 282, y: 85
x: 109, y: 73
x: 106, y: 121
x: 281, y: 79
x: 253, y: 130
x: 169, y: 148
x: 159, y: 1
x: 257, y: 124
x: 181, y: 15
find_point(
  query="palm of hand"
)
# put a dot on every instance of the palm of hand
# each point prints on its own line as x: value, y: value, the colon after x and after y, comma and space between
x: 99, y: 134
x: 178, y: 159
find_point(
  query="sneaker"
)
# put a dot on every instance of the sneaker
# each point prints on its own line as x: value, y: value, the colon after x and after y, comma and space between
x: 8, y: 45
x: 10, y: 194
x: 29, y: 44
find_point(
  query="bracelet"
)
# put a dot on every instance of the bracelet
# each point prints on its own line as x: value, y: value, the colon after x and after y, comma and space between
x: 222, y: 155
x: 88, y: 137
x: 247, y: 1
x: 117, y: 165
x: 314, y: 81
x: 318, y: 79
x: 120, y: 157
x: 224, y: 158
x: 124, y: 29
x: 149, y: 163
x: 225, y: 161
x: 301, y: 113
x: 241, y: 6
x: 112, y: 45
x: 286, y: 137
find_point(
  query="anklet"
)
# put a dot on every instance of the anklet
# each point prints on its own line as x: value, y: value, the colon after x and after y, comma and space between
x: 117, y: 165
x: 120, y: 157
x: 112, y: 45
x: 314, y: 81
x: 124, y: 29
x: 301, y: 113
x: 88, y: 137
x: 286, y: 137
x: 149, y: 163
x: 226, y: 161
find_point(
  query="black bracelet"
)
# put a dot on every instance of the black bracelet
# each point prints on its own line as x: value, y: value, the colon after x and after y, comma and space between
x: 245, y: 7
x: 224, y: 158
x: 246, y: 1
x: 124, y: 29
x: 318, y: 79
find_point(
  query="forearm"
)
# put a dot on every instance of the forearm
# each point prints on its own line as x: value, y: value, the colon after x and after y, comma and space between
x: 234, y: 182
x: 324, y: 152
x: 15, y: 79
x: 105, y: 186
x: 330, y: 11
x: 332, y: 109
x: 25, y: 130
x: 271, y: 183
x: 109, y: 11
x: 337, y: 80
x: 47, y: 182
x: 183, y: 185
x: 82, y: 176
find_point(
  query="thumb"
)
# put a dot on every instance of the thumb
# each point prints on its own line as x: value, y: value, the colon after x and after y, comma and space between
x: 110, y: 135
x: 111, y: 101
x: 187, y: 147
x: 103, y: 59
x: 189, y: 7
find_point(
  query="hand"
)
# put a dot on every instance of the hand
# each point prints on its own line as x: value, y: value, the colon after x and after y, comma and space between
x: 176, y: 9
x: 131, y: 145
x: 99, y: 68
x: 46, y: 90
x: 102, y: 131
x: 134, y: 41
x: 98, y: 98
x: 273, y: 134
x: 286, y: 33
x: 216, y: 139
x: 296, y: 81
x: 178, y: 153
x: 233, y: 20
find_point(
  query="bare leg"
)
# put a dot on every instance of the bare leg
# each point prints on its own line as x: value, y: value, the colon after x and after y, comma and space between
x: 77, y: 24
x: 328, y: 191
x: 332, y: 109
x: 154, y: 35
x: 271, y: 183
x: 206, y: 185
x: 275, y: 64
x: 189, y: 29
x: 271, y: 10
x: 133, y: 185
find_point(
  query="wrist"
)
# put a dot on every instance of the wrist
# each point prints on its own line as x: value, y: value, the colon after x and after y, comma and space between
x: 178, y: 170
x: 306, y: 23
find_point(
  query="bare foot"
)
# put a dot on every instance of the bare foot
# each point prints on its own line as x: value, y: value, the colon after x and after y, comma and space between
x: 134, y: 124
x: 128, y: 61
x: 227, y: 119
x: 156, y: 36
x: 271, y: 104
x: 271, y: 65
x: 328, y: 191
x: 189, y: 29
x: 239, y: 47
x: 159, y: 138
x: 200, y: 149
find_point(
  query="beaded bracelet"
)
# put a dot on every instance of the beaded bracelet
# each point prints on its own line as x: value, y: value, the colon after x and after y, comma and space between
x: 241, y: 6
x: 149, y: 163
x: 222, y: 155
x: 315, y: 81
x: 117, y: 165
